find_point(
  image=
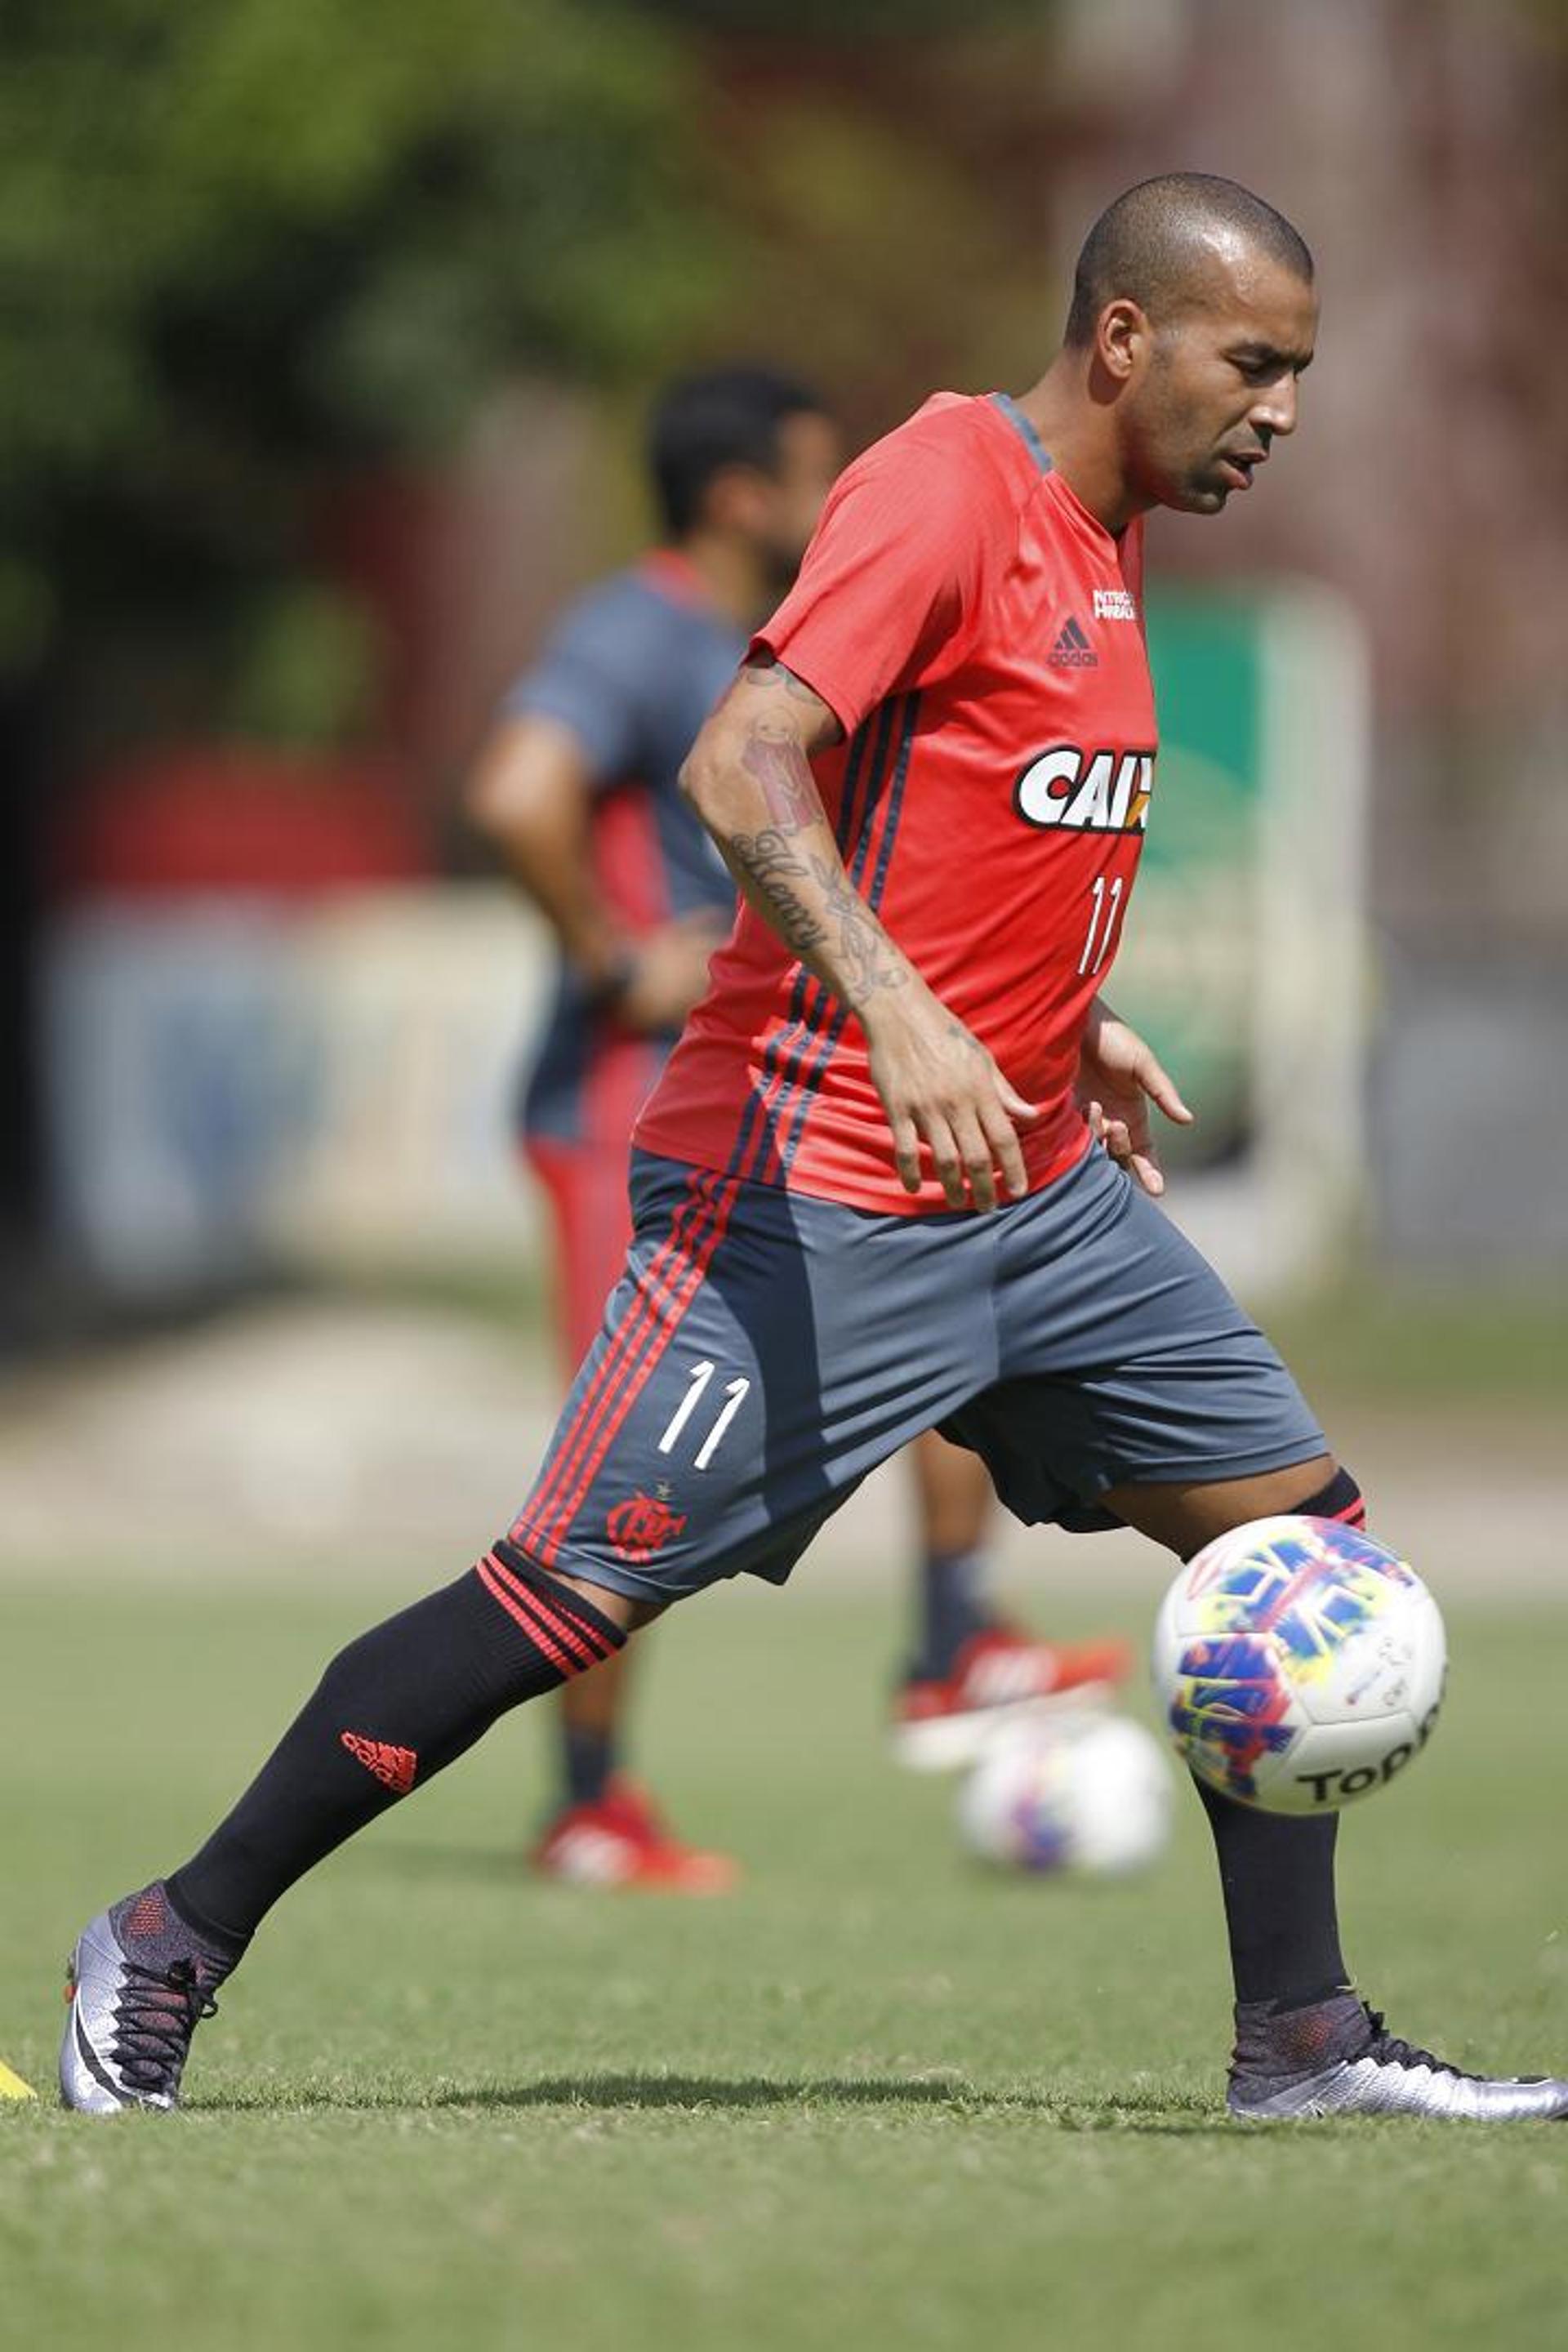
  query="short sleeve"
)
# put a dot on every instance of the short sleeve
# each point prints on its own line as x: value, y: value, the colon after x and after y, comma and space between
x: 592, y: 675
x: 894, y: 574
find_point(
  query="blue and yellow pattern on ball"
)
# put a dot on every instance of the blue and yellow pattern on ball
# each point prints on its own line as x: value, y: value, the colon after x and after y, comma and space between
x: 1287, y: 1649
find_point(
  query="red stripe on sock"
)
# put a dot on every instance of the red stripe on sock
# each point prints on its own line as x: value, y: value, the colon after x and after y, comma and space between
x: 536, y: 1633
x: 599, y: 1643
x: 589, y: 1647
x: 1353, y: 1515
x: 539, y: 1511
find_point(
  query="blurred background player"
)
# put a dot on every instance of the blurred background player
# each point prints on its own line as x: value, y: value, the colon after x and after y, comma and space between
x: 576, y: 788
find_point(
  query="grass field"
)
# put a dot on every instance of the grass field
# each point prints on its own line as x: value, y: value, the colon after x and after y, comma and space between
x: 877, y: 2099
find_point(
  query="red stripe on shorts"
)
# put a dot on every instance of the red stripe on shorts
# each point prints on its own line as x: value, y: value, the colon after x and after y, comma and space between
x: 578, y: 1432
x: 668, y: 1274
x: 659, y: 1328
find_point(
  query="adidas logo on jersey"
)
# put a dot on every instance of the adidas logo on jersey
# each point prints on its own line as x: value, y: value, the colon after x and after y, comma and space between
x: 1078, y: 791
x: 1072, y: 649
x: 1114, y: 604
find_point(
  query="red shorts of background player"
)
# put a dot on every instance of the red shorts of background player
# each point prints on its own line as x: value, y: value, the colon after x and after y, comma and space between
x: 586, y: 1183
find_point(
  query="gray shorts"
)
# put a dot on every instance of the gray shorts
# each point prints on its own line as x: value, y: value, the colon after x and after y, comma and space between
x: 763, y: 1351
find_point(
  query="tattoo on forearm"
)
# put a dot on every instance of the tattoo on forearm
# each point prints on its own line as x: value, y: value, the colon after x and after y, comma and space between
x: 770, y: 862
x: 780, y: 766
x: 756, y: 672
x: 767, y: 854
x: 767, y: 860
x: 862, y: 943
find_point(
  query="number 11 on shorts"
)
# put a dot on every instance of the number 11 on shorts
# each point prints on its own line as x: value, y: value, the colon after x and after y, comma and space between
x: 736, y: 1393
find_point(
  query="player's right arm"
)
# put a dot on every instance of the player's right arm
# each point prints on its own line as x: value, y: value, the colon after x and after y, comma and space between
x: 749, y: 778
x: 530, y: 793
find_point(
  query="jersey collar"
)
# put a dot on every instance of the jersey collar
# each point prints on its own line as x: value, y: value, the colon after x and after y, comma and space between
x: 1009, y: 408
x: 1025, y: 430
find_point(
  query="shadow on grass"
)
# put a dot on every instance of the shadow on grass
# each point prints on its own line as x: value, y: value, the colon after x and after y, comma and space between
x: 718, y: 2096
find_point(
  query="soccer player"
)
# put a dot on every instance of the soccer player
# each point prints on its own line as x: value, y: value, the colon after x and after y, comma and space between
x: 890, y: 1177
x: 577, y: 787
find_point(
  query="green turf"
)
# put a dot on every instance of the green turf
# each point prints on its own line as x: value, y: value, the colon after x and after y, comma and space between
x: 877, y: 2099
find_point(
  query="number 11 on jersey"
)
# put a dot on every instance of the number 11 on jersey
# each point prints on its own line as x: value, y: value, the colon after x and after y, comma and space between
x: 1105, y: 906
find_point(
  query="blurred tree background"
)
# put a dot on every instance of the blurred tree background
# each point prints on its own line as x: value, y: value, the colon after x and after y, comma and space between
x: 327, y: 325
x: 253, y: 253
x: 247, y: 242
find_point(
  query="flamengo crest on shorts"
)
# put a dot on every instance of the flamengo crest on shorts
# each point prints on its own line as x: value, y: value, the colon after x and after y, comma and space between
x: 642, y: 1525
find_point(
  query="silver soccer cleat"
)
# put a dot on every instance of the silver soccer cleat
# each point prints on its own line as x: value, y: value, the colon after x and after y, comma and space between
x: 138, y: 1985
x: 1373, y: 2073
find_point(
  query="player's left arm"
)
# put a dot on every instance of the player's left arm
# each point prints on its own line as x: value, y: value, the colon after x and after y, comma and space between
x: 1119, y: 1076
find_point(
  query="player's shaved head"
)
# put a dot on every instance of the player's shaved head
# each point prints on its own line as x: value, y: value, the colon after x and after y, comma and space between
x: 1158, y: 246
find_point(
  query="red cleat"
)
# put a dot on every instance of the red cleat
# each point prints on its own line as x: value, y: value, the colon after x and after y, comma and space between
x: 621, y: 1842
x: 1000, y: 1673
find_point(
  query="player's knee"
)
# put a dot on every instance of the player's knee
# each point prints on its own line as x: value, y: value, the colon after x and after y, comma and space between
x: 515, y: 1578
x: 621, y: 1608
x: 1339, y: 1497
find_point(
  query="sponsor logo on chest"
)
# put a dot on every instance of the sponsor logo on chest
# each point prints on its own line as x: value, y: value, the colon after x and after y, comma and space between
x: 1071, y: 648
x: 1069, y: 790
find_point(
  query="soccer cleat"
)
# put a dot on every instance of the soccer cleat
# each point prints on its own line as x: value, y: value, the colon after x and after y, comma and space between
x: 138, y: 1985
x: 1336, y: 2058
x: 939, y: 1725
x: 620, y: 1840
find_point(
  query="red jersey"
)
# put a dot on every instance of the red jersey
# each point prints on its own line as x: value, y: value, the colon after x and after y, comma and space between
x: 979, y: 637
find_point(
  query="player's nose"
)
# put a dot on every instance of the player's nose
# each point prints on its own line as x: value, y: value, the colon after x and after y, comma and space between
x: 1275, y: 411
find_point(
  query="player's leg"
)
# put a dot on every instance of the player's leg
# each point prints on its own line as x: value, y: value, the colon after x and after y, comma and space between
x: 606, y: 1830
x: 393, y: 1709
x: 971, y: 1667
x: 1305, y: 2044
x: 742, y: 1389
x: 1276, y: 1872
x: 602, y: 1828
x: 1135, y: 1390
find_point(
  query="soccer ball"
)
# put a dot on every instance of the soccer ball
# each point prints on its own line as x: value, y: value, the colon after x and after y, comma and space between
x: 1080, y: 1792
x: 1298, y: 1665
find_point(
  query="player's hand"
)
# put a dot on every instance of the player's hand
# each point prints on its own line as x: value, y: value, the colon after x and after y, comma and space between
x: 668, y: 974
x: 1118, y: 1078
x: 940, y: 1087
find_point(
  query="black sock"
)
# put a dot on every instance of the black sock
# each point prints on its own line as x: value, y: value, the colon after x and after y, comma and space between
x: 392, y: 1710
x: 952, y: 1610
x: 1278, y: 1871
x: 589, y: 1758
x: 1277, y: 1875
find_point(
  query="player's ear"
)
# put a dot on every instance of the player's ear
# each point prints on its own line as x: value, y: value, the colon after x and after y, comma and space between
x: 1123, y: 337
